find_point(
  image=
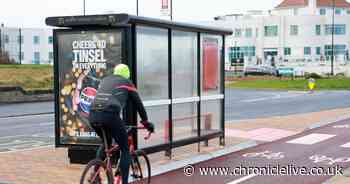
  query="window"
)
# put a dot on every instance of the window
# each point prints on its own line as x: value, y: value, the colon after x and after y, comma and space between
x: 257, y: 32
x: 36, y: 58
x: 271, y: 30
x: 307, y: 51
x: 7, y: 39
x: 22, y: 56
x: 184, y: 65
x: 248, y: 32
x: 293, y: 30
x: 287, y: 51
x: 318, y: 29
x: 238, y: 32
x: 146, y: 36
x: 337, y: 11
x: 50, y: 56
x: 20, y: 39
x: 241, y: 52
x: 348, y: 12
x: 50, y: 39
x: 338, y: 50
x: 295, y: 11
x: 322, y: 11
x: 339, y: 29
x: 318, y: 50
x: 36, y: 39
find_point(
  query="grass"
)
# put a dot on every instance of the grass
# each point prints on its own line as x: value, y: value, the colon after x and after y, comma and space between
x: 297, y: 84
x: 29, y: 77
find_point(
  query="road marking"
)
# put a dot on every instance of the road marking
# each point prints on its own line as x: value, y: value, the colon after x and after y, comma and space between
x: 27, y: 149
x: 44, y: 124
x: 328, y: 160
x: 347, y: 145
x: 273, y: 97
x: 341, y: 126
x: 311, y: 139
x: 27, y: 125
x: 26, y: 116
x: 242, y: 179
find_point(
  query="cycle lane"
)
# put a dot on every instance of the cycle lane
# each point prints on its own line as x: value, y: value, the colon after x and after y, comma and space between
x: 325, y: 147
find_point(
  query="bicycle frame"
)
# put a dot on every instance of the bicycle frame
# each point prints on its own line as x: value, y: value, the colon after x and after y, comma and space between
x: 109, y: 152
x: 107, y: 164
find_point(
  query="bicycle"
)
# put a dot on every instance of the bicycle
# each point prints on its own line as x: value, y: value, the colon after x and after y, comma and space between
x: 102, y: 171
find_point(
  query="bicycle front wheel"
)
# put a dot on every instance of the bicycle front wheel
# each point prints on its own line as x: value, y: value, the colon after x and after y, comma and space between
x: 140, y: 168
x: 96, y: 172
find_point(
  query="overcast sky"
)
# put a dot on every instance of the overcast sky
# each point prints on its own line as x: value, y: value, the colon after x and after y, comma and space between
x: 32, y: 13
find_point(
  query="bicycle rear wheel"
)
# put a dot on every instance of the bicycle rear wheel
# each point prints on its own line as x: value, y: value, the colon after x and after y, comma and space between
x: 96, y: 172
x: 140, y: 168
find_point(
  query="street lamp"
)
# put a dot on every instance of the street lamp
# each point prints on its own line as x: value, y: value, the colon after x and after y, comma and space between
x: 333, y: 28
x: 137, y: 7
x: 171, y: 10
x: 84, y: 7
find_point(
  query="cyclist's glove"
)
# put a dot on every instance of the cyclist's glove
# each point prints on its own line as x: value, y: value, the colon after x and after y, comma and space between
x: 148, y: 125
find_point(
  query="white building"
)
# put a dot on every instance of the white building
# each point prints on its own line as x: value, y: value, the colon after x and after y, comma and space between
x: 296, y: 33
x: 27, y: 45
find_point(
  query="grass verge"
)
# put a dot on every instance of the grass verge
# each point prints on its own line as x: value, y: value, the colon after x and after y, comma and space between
x: 297, y: 84
x: 29, y: 77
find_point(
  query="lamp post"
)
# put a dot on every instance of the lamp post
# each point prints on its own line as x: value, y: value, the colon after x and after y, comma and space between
x: 84, y: 7
x: 332, y: 58
x: 171, y: 10
x: 137, y: 7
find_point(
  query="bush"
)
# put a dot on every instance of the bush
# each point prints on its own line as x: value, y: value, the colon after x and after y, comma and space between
x: 313, y: 75
x: 340, y: 75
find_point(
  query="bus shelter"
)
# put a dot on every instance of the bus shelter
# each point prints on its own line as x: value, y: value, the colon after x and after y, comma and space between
x: 178, y: 69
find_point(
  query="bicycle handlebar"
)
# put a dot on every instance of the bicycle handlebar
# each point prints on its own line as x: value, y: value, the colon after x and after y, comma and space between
x: 140, y: 127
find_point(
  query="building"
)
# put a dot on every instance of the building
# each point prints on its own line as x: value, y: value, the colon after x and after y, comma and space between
x: 27, y: 45
x: 296, y: 33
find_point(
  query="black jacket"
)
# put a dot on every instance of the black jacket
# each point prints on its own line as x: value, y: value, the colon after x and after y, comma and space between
x: 113, y: 94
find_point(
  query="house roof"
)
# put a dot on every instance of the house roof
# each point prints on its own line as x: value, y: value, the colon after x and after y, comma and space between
x: 290, y: 3
x: 337, y: 3
x: 320, y: 3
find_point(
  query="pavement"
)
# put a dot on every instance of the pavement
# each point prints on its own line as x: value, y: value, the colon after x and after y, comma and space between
x: 49, y: 165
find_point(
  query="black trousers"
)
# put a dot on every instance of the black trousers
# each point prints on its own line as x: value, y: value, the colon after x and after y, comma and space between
x: 114, y: 128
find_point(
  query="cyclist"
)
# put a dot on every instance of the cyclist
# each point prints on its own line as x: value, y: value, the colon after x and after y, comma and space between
x: 113, y: 94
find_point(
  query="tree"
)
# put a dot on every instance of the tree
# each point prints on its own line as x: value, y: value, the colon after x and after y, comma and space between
x: 5, y: 58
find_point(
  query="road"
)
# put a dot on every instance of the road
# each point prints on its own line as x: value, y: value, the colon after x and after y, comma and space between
x: 25, y: 132
x: 22, y: 122
x: 325, y: 149
x: 250, y: 104
x: 21, y: 109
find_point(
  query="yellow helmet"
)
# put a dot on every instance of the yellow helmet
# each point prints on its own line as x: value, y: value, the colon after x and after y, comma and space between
x: 122, y: 70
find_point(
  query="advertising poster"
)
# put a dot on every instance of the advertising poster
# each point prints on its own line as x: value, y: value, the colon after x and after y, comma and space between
x: 210, y: 64
x: 84, y: 58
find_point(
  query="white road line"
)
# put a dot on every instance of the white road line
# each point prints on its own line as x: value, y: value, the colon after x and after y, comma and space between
x: 274, y: 97
x: 242, y: 179
x: 27, y: 125
x: 347, y: 145
x: 44, y: 124
x: 311, y: 139
x: 26, y: 116
x: 13, y: 136
x: 27, y: 149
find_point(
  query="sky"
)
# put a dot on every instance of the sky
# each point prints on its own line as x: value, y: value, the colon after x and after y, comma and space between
x: 32, y: 13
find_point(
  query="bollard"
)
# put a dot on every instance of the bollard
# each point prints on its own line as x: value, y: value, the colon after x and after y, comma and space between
x: 311, y: 84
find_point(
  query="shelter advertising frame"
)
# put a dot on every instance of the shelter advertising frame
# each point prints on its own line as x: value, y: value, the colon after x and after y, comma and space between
x: 178, y: 69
